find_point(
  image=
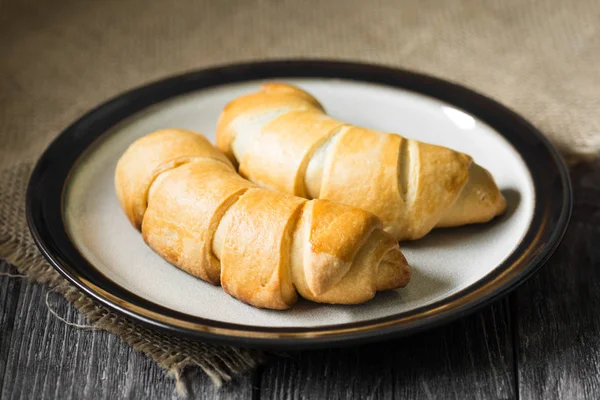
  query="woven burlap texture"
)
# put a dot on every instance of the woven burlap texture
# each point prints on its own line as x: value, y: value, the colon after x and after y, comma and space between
x: 61, y: 58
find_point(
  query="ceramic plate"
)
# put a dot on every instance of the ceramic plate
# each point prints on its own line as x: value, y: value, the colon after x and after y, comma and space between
x: 76, y: 220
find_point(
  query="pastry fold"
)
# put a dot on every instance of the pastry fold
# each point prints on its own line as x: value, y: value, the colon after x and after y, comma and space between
x: 283, y: 140
x: 264, y: 247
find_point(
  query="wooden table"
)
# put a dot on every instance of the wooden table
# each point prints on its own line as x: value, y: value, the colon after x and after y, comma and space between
x: 541, y: 342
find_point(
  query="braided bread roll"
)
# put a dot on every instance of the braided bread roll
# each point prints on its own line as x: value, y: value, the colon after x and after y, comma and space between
x: 283, y: 140
x: 262, y: 246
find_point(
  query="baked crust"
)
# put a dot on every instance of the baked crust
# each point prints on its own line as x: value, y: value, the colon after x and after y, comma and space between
x: 284, y: 141
x: 264, y: 247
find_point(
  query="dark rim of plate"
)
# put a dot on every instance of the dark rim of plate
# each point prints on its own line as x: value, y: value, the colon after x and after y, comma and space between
x: 553, y: 202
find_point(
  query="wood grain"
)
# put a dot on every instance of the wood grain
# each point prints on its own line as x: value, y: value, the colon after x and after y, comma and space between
x: 557, y: 310
x: 470, y: 358
x: 9, y: 294
x: 47, y: 359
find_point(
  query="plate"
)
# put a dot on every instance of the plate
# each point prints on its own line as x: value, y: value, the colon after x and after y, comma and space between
x: 78, y: 225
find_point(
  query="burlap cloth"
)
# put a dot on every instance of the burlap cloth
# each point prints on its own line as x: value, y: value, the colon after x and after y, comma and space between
x: 60, y: 58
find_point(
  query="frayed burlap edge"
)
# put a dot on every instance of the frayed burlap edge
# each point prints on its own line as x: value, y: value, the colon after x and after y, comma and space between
x: 172, y: 353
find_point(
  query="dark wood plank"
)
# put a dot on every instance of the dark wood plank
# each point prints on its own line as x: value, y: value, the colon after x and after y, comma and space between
x: 9, y: 294
x: 50, y: 360
x: 557, y: 310
x: 470, y: 358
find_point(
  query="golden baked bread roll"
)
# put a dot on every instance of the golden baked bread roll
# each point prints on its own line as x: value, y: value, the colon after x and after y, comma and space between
x: 262, y: 246
x: 283, y: 140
